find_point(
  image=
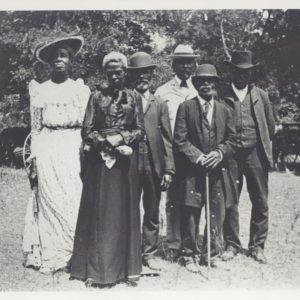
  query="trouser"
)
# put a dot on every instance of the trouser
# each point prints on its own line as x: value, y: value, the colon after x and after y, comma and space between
x: 150, y: 185
x: 190, y: 223
x: 251, y: 163
x: 173, y: 215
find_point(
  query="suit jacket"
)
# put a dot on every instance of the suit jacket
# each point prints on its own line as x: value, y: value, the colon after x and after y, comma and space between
x: 263, y: 114
x: 188, y: 146
x: 158, y: 132
x: 173, y: 94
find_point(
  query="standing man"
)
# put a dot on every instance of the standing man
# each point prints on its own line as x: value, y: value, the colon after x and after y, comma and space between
x: 203, y: 140
x: 156, y: 163
x: 174, y: 92
x: 255, y: 126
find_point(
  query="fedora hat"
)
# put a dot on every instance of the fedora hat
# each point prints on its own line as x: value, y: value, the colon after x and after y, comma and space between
x: 183, y: 51
x: 242, y: 60
x: 205, y: 70
x: 43, y: 52
x: 140, y: 60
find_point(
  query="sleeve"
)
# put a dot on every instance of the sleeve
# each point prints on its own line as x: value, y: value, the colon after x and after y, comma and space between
x: 36, y: 114
x: 227, y: 147
x: 89, y: 132
x: 181, y: 141
x: 137, y: 133
x: 269, y: 114
x: 83, y: 95
x: 167, y: 138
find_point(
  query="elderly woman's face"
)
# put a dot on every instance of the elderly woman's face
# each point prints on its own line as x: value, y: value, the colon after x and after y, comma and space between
x: 60, y: 60
x: 115, y: 75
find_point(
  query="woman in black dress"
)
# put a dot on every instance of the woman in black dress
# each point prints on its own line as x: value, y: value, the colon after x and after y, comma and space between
x: 107, y: 247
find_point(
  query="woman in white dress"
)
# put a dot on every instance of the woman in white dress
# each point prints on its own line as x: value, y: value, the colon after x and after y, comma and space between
x: 57, y: 111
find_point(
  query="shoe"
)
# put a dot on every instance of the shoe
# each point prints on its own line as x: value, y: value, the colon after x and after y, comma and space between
x: 191, y: 264
x: 173, y: 255
x: 152, y: 264
x: 258, y: 255
x: 230, y: 253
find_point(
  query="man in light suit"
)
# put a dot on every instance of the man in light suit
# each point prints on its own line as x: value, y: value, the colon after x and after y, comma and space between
x: 156, y: 163
x: 203, y: 141
x: 174, y: 92
x: 255, y: 126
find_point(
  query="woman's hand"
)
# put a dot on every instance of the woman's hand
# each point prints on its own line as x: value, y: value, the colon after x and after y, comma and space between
x: 166, y: 182
x: 115, y: 140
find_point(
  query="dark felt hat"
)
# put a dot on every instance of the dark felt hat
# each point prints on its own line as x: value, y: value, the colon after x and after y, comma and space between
x: 241, y: 60
x: 43, y: 52
x: 140, y: 60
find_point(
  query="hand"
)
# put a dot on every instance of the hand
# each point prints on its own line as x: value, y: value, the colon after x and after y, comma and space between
x: 115, y: 140
x: 212, y: 159
x: 166, y: 182
x: 33, y: 170
x: 125, y: 150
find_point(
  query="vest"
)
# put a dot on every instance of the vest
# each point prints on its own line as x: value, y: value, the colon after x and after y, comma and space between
x: 246, y: 129
x: 209, y: 135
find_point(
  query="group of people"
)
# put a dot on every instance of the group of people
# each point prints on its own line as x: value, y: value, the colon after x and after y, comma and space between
x: 94, y: 157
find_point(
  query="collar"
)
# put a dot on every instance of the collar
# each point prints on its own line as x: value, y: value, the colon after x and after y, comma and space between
x: 145, y: 96
x: 236, y: 90
x: 202, y: 101
x: 188, y: 81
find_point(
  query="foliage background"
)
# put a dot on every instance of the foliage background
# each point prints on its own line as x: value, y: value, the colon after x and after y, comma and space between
x: 272, y: 35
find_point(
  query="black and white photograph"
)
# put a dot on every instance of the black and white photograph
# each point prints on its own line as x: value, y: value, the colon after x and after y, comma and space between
x: 151, y: 148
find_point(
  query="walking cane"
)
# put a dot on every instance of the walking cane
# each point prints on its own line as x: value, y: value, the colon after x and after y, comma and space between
x: 207, y: 222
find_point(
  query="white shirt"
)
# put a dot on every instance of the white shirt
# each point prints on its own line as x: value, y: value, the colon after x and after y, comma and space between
x: 241, y: 94
x: 145, y: 99
x: 210, y: 108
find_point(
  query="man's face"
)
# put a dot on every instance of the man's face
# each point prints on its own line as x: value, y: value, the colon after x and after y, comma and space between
x: 115, y: 74
x: 206, y: 87
x: 240, y: 77
x: 183, y: 67
x: 141, y: 79
x: 60, y: 60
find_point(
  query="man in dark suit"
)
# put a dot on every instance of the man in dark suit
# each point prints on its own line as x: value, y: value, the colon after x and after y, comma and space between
x: 255, y: 126
x: 156, y: 163
x: 203, y: 140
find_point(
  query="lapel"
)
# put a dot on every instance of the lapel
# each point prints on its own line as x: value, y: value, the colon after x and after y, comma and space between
x: 149, y: 103
x: 198, y: 119
x: 218, y: 119
x: 254, y: 98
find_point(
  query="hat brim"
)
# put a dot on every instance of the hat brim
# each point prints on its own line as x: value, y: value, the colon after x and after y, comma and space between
x: 43, y: 53
x: 244, y: 66
x: 195, y: 77
x: 152, y: 66
x: 183, y: 56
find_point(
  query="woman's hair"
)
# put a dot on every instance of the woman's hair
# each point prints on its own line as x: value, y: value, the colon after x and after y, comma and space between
x: 115, y: 57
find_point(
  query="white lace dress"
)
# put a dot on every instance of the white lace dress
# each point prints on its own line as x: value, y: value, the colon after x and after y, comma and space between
x: 57, y: 112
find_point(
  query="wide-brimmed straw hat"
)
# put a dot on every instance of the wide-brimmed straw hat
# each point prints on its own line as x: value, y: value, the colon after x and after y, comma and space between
x: 205, y: 70
x: 43, y: 52
x: 183, y: 51
x: 242, y: 60
x: 140, y: 60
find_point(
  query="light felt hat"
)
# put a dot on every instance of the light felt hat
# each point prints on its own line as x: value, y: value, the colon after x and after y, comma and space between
x: 43, y: 53
x: 183, y: 51
x: 205, y: 70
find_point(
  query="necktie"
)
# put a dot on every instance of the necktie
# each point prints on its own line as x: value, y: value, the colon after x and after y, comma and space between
x: 206, y: 109
x: 183, y: 83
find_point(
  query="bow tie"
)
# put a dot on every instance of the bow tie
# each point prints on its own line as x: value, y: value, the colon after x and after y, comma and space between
x: 183, y: 83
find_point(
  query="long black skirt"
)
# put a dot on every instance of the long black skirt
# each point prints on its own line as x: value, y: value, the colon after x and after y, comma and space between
x: 107, y: 245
